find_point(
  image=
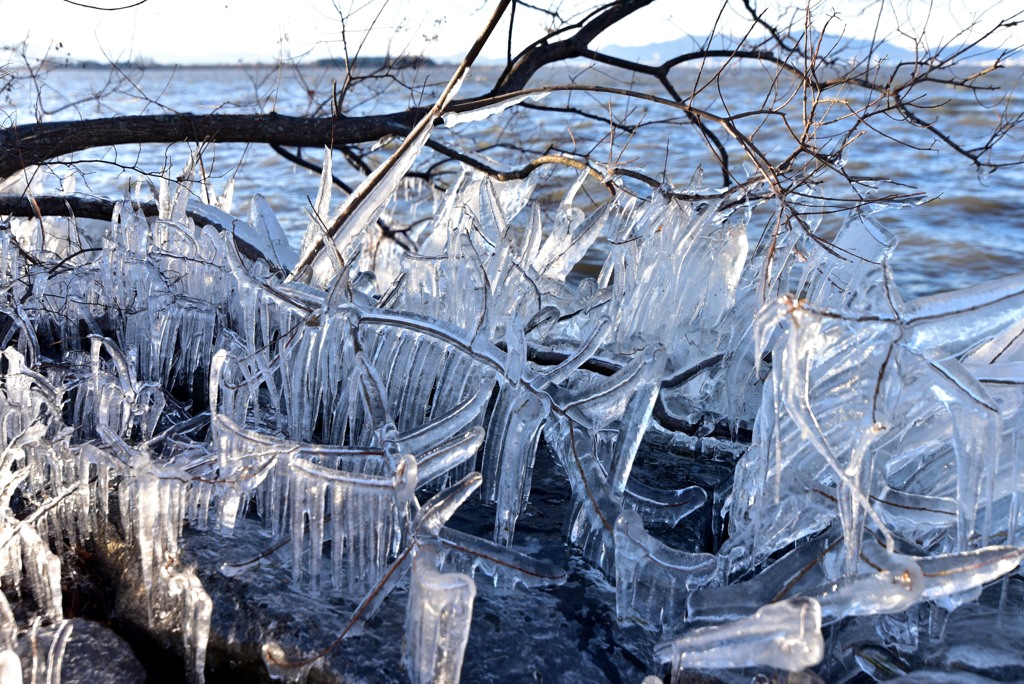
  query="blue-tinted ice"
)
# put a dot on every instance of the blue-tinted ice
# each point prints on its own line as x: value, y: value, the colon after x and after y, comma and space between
x: 180, y: 375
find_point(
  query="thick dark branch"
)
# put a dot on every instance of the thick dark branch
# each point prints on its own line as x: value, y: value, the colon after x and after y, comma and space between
x: 29, y: 145
x: 525, y: 65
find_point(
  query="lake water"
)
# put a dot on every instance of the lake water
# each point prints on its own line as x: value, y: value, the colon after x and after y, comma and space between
x: 971, y: 230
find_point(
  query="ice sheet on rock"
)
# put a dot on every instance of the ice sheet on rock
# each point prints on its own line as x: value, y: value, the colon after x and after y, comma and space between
x: 44, y: 655
x: 653, y: 580
x: 440, y: 608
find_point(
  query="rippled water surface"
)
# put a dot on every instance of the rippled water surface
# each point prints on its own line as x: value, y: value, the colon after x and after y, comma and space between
x: 971, y: 230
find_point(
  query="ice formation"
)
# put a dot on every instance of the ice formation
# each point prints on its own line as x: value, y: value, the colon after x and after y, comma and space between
x: 205, y: 375
x: 784, y: 635
x: 438, y: 621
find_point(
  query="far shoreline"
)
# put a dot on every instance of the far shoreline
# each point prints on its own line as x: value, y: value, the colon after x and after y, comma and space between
x: 375, y: 62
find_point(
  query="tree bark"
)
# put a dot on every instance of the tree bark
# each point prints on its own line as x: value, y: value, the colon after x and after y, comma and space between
x: 22, y: 146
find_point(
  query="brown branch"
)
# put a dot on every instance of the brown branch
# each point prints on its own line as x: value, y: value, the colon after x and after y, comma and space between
x: 107, y: 9
x: 29, y: 145
x: 521, y: 69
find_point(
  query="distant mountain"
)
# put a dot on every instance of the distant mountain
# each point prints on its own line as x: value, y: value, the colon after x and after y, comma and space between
x: 838, y: 47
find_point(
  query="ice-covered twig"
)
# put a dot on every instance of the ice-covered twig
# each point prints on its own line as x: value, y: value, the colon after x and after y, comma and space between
x: 785, y: 635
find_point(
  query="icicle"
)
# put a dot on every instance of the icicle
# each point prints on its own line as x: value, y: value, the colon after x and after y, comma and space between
x: 799, y: 570
x: 8, y: 625
x: 366, y: 514
x: 437, y: 621
x: 888, y: 591
x: 948, y: 575
x: 438, y: 461
x: 954, y: 322
x: 10, y: 667
x: 194, y: 612
x: 518, y: 449
x: 42, y: 569
x: 264, y: 221
x: 245, y: 460
x: 321, y: 209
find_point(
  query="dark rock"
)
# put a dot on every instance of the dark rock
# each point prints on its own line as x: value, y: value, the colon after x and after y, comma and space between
x: 93, y: 654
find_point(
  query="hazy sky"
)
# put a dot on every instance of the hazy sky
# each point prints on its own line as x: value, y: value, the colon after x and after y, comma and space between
x: 187, y: 31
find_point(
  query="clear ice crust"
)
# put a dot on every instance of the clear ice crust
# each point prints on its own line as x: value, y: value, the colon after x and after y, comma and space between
x: 849, y: 461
